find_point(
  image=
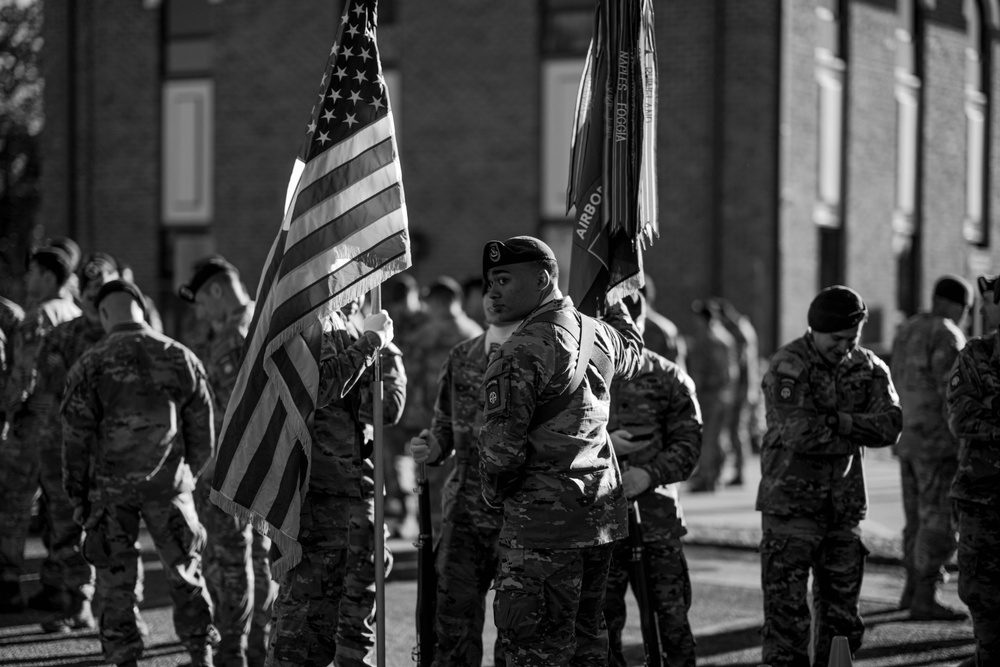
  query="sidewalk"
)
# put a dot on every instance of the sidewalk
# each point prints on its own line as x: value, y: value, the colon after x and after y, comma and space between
x: 727, y: 517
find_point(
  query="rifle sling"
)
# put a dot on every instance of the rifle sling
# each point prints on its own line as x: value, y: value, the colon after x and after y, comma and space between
x: 588, y: 352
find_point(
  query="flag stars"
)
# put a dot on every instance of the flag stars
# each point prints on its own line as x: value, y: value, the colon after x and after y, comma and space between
x: 359, y: 10
x: 352, y: 31
x: 323, y: 138
x: 345, y: 50
x: 311, y: 127
x: 365, y: 54
x: 333, y: 95
x: 340, y: 73
x: 351, y: 120
x: 328, y: 116
x: 377, y: 103
x: 360, y: 77
x: 355, y: 96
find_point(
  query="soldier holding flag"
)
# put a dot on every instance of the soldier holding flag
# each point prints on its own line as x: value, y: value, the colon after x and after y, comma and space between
x: 546, y: 458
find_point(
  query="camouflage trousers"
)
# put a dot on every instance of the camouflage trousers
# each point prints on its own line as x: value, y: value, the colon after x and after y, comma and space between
x: 265, y: 592
x: 173, y: 524
x: 979, y: 575
x: 670, y: 588
x: 738, y: 429
x: 549, y: 606
x: 789, y: 548
x: 467, y: 559
x: 930, y: 533
x: 325, y: 609
x: 715, y: 438
x: 20, y: 464
x: 229, y: 575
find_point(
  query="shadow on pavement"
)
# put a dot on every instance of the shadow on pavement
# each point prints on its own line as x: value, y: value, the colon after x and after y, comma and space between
x: 916, y: 649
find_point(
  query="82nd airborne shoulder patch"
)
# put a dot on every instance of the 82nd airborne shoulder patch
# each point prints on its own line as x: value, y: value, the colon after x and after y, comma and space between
x: 785, y: 390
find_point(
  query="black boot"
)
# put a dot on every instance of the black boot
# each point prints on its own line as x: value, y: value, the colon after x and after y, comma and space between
x: 926, y: 608
x: 76, y: 616
x: 11, y: 601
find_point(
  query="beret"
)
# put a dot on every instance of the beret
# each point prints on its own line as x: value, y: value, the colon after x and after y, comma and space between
x: 516, y: 250
x: 955, y: 289
x: 119, y: 285
x: 205, y: 271
x: 97, y: 264
x: 835, y: 309
x: 989, y: 284
x: 55, y: 260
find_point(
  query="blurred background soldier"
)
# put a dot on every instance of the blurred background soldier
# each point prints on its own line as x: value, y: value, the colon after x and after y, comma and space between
x: 826, y: 399
x: 712, y: 363
x: 973, y: 399
x: 445, y: 325
x: 923, y: 354
x: 545, y: 458
x: 48, y: 271
x: 65, y: 568
x: 315, y: 622
x: 137, y: 430
x: 230, y: 571
x: 401, y: 299
x: 655, y: 427
x: 11, y: 315
x: 473, y: 302
x: 467, y: 553
x: 662, y: 335
x: 747, y: 391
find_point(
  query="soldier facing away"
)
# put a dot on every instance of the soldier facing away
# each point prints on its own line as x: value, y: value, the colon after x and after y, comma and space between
x: 236, y: 569
x: 923, y: 353
x: 827, y: 398
x: 973, y: 401
x: 468, y: 550
x: 656, y: 431
x: 554, y: 475
x: 138, y: 429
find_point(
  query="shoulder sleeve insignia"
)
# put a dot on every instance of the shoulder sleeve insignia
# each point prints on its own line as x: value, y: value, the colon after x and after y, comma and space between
x: 785, y: 390
x: 956, y: 379
x: 788, y: 369
x: 496, y: 393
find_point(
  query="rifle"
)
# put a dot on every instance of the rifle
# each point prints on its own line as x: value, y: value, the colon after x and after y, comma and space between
x: 426, y: 575
x: 643, y: 595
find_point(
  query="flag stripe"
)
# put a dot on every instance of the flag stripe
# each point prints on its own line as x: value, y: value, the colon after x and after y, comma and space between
x: 291, y: 481
x: 330, y: 184
x: 290, y: 374
x: 263, y: 458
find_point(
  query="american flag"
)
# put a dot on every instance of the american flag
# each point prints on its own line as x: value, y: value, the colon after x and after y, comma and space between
x: 343, y: 233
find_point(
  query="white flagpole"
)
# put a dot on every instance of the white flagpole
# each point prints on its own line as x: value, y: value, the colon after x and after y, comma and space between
x: 376, y: 297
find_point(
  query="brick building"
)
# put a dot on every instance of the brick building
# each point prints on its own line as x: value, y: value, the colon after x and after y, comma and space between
x: 802, y: 142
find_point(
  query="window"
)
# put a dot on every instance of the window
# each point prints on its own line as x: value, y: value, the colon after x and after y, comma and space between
x: 187, y: 152
x: 831, y: 71
x: 977, y: 113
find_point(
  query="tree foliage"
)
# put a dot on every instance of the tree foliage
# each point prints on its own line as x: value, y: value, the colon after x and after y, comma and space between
x: 21, y: 121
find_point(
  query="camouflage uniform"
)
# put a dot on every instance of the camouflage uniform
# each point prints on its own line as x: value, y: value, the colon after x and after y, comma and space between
x: 661, y: 396
x: 325, y: 604
x: 973, y: 393
x: 812, y: 494
x: 137, y: 421
x: 11, y: 316
x: 747, y: 388
x: 20, y: 460
x: 228, y: 568
x: 430, y: 345
x: 467, y: 553
x: 662, y: 336
x: 559, y: 485
x: 64, y: 566
x: 713, y: 366
x: 923, y: 354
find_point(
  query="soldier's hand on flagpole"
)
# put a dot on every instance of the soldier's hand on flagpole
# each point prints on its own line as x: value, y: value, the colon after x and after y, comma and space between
x: 380, y: 324
x: 425, y: 448
x: 635, y: 481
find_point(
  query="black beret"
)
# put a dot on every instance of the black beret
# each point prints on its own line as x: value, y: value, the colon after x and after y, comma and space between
x: 989, y: 284
x: 835, y: 309
x: 955, y: 289
x: 119, y: 285
x: 205, y: 271
x: 97, y: 264
x: 516, y: 250
x: 444, y: 285
x: 55, y: 260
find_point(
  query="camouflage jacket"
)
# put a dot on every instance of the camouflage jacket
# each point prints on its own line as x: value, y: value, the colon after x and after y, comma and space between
x: 37, y: 324
x: 662, y: 336
x: 807, y: 467
x: 559, y: 483
x: 11, y: 315
x: 974, y: 418
x: 341, y: 448
x: 660, y: 400
x: 458, y: 417
x: 428, y: 347
x: 923, y: 354
x: 713, y: 363
x: 138, y: 409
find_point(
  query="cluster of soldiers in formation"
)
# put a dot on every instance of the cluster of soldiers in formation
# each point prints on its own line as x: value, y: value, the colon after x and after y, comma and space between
x: 544, y: 425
